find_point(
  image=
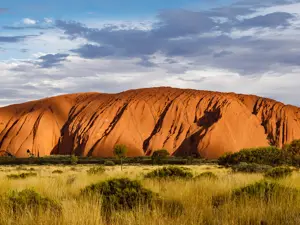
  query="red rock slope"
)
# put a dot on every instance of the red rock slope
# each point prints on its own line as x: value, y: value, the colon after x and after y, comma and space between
x: 184, y: 122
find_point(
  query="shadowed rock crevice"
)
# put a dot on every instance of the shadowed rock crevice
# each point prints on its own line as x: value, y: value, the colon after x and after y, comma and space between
x: 111, y: 126
x: 157, y: 127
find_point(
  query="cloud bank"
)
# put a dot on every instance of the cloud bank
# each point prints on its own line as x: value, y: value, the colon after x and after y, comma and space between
x: 248, y: 47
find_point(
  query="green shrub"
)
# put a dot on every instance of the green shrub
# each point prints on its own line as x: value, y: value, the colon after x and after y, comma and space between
x: 57, y: 171
x: 73, y: 159
x: 120, y: 194
x: 31, y: 200
x: 21, y: 175
x: 109, y: 163
x: 250, y: 168
x: 263, y: 190
x: 159, y: 155
x: 96, y: 170
x: 264, y: 155
x: 293, y: 148
x: 170, y: 172
x: 279, y: 172
x: 24, y: 168
x: 207, y: 175
x: 292, y: 151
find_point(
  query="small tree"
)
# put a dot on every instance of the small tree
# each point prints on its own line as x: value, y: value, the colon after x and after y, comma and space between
x: 120, y: 152
x: 158, y: 155
x: 73, y: 159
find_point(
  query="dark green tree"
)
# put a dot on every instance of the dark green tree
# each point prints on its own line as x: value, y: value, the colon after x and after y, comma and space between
x: 120, y: 152
x: 293, y: 148
x: 292, y: 152
x: 159, y: 155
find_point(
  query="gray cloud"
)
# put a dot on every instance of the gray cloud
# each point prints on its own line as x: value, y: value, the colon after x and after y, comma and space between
x: 177, y: 23
x: 24, y: 50
x: 37, y: 27
x: 51, y: 60
x: 177, y: 35
x: 94, y: 51
x: 271, y: 20
x: 222, y: 53
x: 71, y: 28
x: 146, y: 62
x: 12, y: 39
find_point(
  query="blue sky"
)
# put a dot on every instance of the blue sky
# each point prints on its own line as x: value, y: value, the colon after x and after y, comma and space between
x: 118, y: 9
x: 55, y: 47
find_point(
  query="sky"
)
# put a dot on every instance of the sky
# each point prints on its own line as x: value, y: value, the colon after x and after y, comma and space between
x: 55, y: 47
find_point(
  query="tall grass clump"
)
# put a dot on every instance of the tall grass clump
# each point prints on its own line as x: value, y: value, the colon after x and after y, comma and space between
x: 250, y: 168
x: 170, y: 172
x: 57, y: 172
x: 206, y: 175
x: 109, y: 163
x: 21, y: 175
x: 279, y: 172
x: 96, y: 170
x: 29, y: 199
x: 120, y: 194
x: 263, y: 190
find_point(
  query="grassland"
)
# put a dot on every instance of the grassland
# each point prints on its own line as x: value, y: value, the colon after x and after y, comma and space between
x: 195, y: 195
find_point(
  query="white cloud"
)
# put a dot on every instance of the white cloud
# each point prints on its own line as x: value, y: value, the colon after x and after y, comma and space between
x: 29, y: 21
x: 48, y: 20
x: 23, y: 80
x: 106, y: 75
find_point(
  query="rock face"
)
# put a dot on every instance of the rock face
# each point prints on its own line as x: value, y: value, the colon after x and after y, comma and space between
x: 185, y: 122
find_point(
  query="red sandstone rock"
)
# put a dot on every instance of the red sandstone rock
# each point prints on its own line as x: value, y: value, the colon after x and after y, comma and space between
x: 184, y: 122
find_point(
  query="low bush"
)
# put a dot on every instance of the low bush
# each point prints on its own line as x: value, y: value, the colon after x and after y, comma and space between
x: 250, y: 168
x: 264, y: 155
x: 207, y: 175
x: 159, y: 155
x: 24, y: 168
x: 293, y: 148
x: 21, y: 175
x: 262, y: 190
x: 73, y: 159
x: 109, y: 163
x: 31, y: 200
x: 120, y: 194
x: 170, y: 172
x: 96, y: 170
x: 279, y: 172
x: 57, y: 171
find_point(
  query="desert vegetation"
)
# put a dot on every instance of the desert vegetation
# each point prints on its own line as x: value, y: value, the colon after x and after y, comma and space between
x: 146, y: 194
x: 253, y: 186
x: 273, y: 156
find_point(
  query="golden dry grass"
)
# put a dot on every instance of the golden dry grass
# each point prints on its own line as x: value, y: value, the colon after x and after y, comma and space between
x: 194, y: 195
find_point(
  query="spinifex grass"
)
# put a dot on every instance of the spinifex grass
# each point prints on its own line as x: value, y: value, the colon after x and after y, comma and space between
x: 194, y: 194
